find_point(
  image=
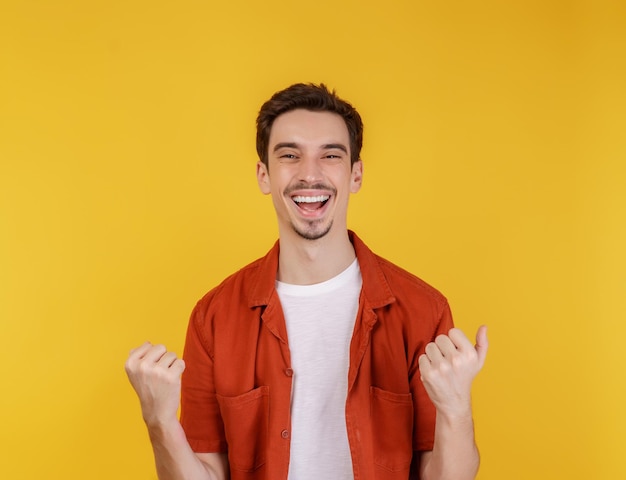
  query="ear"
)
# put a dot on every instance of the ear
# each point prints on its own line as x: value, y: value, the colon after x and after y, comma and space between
x: 356, y: 176
x: 263, y: 178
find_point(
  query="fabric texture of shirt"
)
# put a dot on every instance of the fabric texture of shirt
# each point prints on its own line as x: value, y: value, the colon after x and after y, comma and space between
x: 236, y: 388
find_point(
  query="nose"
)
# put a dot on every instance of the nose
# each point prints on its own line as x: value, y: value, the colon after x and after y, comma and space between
x: 310, y: 169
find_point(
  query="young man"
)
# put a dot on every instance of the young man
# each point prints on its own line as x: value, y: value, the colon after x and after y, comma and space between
x: 320, y: 360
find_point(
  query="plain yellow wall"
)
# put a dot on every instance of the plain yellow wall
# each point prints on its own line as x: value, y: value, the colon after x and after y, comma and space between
x: 495, y: 169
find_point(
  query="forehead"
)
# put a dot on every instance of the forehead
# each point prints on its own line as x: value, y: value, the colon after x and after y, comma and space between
x: 307, y: 127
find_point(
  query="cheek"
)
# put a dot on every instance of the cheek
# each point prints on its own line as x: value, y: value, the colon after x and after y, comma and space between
x: 279, y: 182
x: 278, y: 189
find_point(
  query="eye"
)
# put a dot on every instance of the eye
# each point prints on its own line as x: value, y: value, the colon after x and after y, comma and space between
x: 289, y: 156
x: 334, y: 157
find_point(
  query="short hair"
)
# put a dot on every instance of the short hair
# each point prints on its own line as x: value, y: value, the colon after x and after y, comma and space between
x: 312, y: 97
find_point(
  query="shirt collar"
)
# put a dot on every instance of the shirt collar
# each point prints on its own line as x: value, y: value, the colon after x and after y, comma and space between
x: 376, y: 289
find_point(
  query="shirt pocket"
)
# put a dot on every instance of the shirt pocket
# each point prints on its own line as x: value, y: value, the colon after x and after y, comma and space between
x: 246, y: 423
x: 392, y: 426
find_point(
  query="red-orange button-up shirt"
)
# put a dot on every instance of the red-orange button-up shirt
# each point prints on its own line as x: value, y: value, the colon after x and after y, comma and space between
x: 236, y: 389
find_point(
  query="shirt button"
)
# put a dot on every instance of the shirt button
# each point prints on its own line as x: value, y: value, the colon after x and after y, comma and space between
x: 289, y: 372
x: 284, y: 434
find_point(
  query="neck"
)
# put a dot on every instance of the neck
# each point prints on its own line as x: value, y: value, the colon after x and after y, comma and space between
x: 306, y: 262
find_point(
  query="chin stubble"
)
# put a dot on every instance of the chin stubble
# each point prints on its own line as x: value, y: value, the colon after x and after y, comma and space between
x: 312, y: 234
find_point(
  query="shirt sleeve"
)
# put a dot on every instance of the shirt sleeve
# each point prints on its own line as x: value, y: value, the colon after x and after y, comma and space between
x: 200, y: 413
x: 424, y: 410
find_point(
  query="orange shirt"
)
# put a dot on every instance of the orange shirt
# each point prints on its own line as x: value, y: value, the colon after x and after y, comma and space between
x: 236, y: 388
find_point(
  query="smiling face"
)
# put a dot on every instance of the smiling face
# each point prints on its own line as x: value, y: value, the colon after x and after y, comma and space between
x: 309, y: 173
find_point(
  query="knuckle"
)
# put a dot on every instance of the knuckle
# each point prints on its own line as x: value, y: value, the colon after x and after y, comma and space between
x: 458, y: 362
x: 445, y: 368
x: 465, y: 355
x: 144, y: 368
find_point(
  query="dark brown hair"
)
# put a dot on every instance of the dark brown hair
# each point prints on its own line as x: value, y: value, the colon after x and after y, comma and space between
x: 316, y: 98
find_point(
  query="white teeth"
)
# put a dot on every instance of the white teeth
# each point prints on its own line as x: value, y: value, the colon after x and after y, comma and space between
x: 319, y: 198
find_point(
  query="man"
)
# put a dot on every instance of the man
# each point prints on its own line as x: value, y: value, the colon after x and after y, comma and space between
x: 320, y: 360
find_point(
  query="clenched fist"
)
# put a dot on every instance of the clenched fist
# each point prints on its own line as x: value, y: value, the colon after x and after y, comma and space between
x: 155, y: 375
x: 448, y: 368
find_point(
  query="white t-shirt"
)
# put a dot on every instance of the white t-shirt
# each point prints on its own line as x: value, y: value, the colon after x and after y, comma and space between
x: 320, y: 320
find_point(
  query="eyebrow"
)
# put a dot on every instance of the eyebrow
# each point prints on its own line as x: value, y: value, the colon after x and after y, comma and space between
x: 327, y: 146
x: 338, y: 146
x: 278, y: 146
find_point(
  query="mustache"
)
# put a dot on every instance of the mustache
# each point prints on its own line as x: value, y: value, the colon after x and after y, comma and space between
x: 309, y: 186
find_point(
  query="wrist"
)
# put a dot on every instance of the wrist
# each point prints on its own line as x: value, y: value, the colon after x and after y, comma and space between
x: 160, y: 426
x: 458, y: 416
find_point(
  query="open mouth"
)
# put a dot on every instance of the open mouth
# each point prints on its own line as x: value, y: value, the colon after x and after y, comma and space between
x: 310, y: 204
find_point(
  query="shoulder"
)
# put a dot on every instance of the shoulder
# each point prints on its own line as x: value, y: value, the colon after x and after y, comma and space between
x: 235, y: 287
x: 403, y: 282
x: 416, y: 307
x: 225, y: 311
x: 385, y: 282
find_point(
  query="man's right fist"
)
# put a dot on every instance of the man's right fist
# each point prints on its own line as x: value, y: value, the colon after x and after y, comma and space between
x: 155, y: 374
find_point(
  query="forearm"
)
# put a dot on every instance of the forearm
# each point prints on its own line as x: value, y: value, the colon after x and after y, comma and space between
x: 455, y: 454
x: 174, y: 458
x: 447, y: 369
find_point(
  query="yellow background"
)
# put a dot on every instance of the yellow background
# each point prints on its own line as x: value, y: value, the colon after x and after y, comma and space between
x: 495, y: 169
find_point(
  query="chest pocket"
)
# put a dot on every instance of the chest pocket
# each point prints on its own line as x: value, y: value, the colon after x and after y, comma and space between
x: 392, y: 424
x: 246, y: 423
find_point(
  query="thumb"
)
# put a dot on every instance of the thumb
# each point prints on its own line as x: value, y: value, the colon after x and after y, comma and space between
x: 482, y: 344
